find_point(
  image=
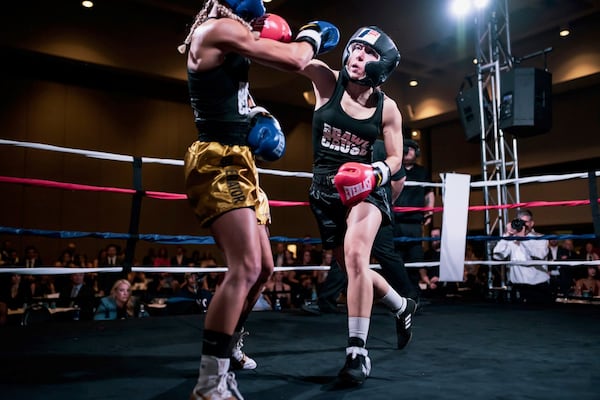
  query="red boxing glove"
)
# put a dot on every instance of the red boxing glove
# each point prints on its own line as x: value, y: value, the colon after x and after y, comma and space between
x: 354, y: 182
x: 272, y: 26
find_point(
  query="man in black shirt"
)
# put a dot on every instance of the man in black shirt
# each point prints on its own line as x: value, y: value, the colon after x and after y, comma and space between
x: 410, y: 224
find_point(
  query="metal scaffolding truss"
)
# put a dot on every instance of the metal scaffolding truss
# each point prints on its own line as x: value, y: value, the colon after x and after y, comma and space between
x: 499, y: 159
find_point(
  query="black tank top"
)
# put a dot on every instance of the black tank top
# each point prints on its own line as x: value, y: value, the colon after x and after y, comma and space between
x: 338, y: 138
x: 219, y: 97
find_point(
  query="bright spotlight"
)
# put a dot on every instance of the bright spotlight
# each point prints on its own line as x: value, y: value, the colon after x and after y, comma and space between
x: 461, y: 8
x: 481, y: 4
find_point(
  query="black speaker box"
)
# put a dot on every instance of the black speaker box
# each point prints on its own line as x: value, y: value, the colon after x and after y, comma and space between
x: 526, y: 101
x: 467, y: 103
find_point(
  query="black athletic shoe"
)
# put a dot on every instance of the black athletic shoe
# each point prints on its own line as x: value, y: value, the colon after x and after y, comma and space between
x: 357, y: 367
x: 404, y: 323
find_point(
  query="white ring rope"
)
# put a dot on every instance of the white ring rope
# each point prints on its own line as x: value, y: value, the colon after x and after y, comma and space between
x: 166, y: 161
x: 67, y: 271
x: 57, y: 270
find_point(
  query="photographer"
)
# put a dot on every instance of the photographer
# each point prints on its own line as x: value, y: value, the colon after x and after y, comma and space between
x: 529, y: 283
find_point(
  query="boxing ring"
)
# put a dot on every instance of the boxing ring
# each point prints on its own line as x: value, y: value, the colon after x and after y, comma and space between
x: 475, y: 349
x: 137, y: 193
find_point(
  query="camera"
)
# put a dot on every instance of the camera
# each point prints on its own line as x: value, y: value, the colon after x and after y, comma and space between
x: 517, y: 224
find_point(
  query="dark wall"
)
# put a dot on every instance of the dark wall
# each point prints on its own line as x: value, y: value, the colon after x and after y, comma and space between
x: 56, y: 101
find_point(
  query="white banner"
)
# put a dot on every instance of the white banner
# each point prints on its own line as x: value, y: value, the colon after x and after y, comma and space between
x: 454, y: 227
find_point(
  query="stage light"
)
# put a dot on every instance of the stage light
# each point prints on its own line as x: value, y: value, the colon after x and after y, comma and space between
x: 461, y: 8
x: 565, y: 31
x: 87, y: 3
x: 413, y: 83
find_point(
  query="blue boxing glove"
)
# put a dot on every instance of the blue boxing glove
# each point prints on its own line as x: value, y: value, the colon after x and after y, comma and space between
x: 265, y: 138
x: 321, y: 35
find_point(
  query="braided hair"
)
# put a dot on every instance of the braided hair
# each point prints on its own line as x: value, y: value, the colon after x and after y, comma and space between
x: 222, y: 11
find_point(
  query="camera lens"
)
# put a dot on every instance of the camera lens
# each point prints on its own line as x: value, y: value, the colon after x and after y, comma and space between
x: 517, y: 224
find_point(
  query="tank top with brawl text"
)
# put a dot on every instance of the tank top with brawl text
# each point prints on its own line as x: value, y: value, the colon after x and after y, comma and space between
x: 338, y: 138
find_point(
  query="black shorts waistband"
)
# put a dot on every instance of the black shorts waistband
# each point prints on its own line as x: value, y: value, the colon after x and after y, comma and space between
x: 323, y: 180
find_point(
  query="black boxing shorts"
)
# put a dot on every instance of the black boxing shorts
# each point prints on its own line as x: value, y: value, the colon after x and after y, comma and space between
x: 331, y: 214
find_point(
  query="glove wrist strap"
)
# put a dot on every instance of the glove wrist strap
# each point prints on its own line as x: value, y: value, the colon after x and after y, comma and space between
x: 312, y: 37
x: 382, y: 172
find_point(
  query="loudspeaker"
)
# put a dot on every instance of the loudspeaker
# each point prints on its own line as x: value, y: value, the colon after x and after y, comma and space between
x: 526, y: 107
x: 467, y: 103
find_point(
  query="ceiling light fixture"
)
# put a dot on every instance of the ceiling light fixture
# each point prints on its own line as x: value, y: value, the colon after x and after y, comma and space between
x: 564, y: 31
x: 87, y: 3
x: 413, y: 83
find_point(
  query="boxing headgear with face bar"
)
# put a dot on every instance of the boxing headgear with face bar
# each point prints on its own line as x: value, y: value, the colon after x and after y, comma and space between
x: 247, y: 9
x: 376, y: 72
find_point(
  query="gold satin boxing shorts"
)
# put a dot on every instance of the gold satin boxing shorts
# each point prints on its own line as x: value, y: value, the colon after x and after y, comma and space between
x: 221, y: 178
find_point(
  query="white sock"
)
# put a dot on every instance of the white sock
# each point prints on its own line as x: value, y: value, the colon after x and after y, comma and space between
x: 394, y: 301
x: 359, y: 327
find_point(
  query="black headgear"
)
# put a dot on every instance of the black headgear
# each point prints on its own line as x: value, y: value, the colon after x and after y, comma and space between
x: 411, y: 143
x: 376, y: 72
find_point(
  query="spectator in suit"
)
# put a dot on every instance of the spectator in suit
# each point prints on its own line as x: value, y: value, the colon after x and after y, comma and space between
x: 111, y: 259
x: 77, y: 292
x: 180, y: 259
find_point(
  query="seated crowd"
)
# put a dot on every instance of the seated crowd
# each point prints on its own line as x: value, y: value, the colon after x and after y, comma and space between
x: 113, y: 295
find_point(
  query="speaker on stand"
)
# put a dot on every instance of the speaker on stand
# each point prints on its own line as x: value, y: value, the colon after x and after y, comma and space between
x: 526, y: 102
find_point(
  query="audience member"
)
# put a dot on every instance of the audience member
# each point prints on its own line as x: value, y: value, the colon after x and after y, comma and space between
x: 554, y: 270
x: 32, y: 258
x: 162, y: 258
x: 279, y: 254
x: 568, y: 274
x: 308, y: 245
x: 190, y: 298
x: 78, y: 293
x: 277, y: 290
x: 474, y: 278
x: 211, y: 280
x: 149, y: 257
x: 429, y: 277
x: 119, y: 304
x: 591, y: 253
x: 180, y: 259
x: 109, y: 258
x: 530, y: 283
x: 13, y: 294
x: 590, y: 285
x: 6, y: 254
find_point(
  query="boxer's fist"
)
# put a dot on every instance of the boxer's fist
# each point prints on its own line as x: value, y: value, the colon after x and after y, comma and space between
x: 272, y: 26
x: 354, y: 181
x: 265, y: 138
x: 321, y: 35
